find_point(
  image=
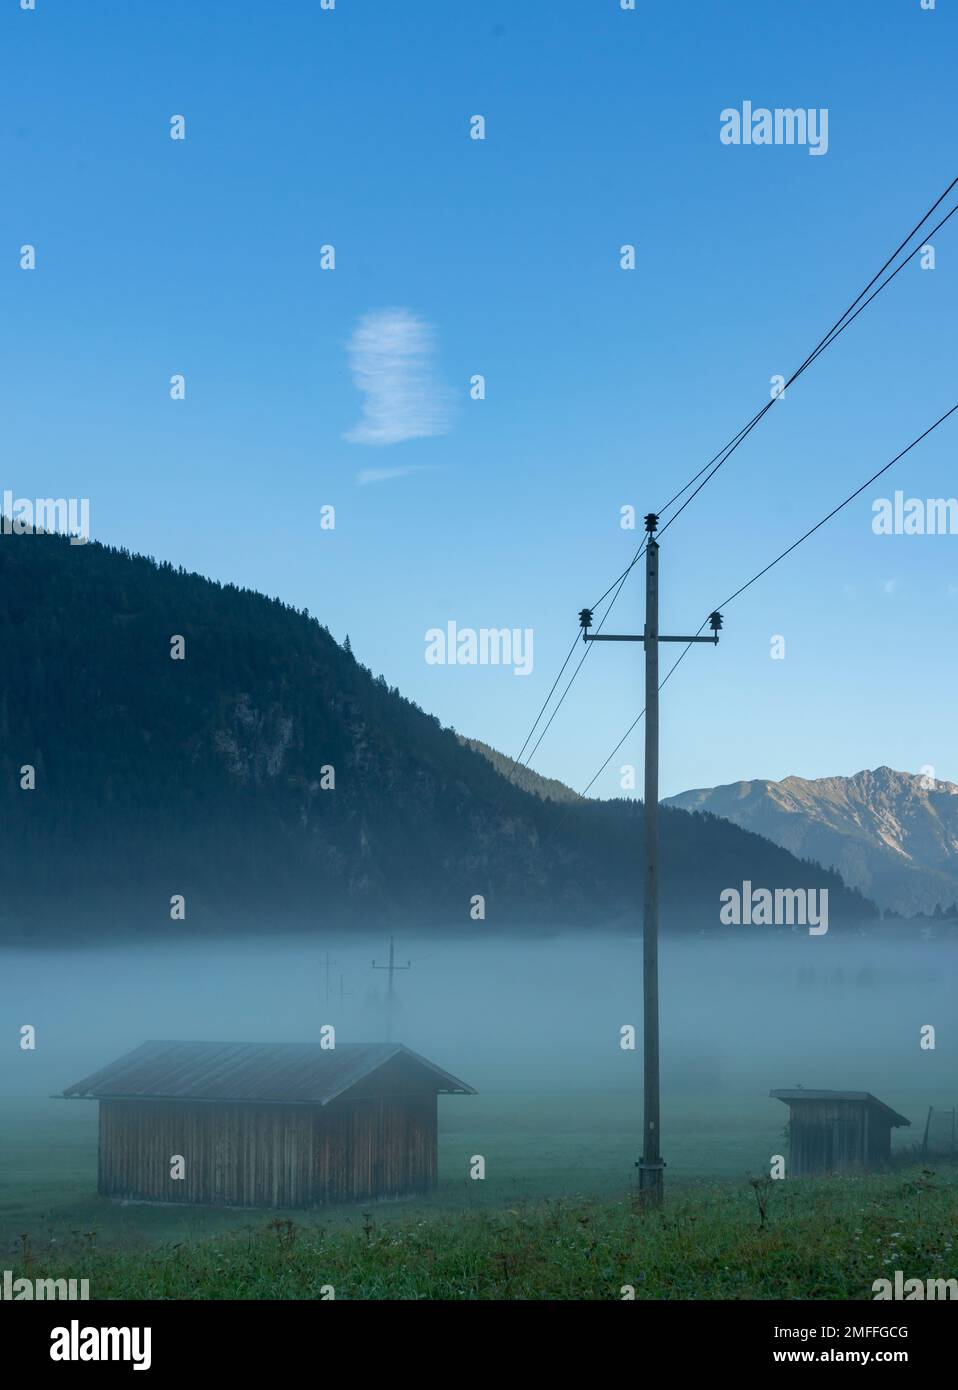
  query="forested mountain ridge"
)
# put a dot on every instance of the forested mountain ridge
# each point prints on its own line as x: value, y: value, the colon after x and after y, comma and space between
x: 548, y: 788
x: 209, y: 777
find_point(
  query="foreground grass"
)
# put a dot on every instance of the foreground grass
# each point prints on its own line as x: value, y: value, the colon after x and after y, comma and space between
x: 824, y: 1239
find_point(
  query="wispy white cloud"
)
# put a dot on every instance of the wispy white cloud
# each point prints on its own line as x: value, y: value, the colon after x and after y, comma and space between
x: 380, y: 475
x: 390, y: 355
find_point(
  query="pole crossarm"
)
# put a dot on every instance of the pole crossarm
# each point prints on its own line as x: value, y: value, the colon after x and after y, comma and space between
x: 627, y: 637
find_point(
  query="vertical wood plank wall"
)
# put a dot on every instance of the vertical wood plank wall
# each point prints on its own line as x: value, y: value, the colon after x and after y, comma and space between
x: 826, y: 1137
x: 269, y: 1155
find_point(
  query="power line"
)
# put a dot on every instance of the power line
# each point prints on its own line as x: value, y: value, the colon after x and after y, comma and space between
x: 835, y: 510
x: 836, y: 329
x: 617, y: 585
x: 827, y: 340
x: 565, y: 692
x: 722, y: 457
x: 518, y: 758
x: 825, y: 343
x: 772, y: 563
x: 619, y: 581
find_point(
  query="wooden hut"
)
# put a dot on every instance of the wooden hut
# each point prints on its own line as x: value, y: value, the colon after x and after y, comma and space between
x: 264, y: 1124
x: 831, y: 1130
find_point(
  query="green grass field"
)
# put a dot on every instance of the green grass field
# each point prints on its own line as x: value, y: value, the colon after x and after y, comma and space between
x: 554, y: 1217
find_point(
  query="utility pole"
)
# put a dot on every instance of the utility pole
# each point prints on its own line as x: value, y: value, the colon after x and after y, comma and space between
x: 329, y: 963
x: 392, y: 967
x: 651, y: 1164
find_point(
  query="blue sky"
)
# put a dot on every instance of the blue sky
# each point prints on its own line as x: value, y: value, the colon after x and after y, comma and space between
x: 604, y: 387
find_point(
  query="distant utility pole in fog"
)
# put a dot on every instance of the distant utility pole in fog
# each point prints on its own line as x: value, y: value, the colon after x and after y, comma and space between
x: 651, y: 1165
x: 328, y: 965
x: 392, y: 967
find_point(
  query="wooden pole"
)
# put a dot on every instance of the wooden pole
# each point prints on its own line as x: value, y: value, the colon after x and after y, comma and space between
x: 392, y: 967
x: 651, y: 1165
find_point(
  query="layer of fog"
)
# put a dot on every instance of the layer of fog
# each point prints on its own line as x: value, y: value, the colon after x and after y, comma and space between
x: 738, y: 1015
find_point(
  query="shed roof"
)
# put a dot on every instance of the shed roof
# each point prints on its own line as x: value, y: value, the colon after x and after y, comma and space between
x: 799, y: 1094
x: 294, y: 1073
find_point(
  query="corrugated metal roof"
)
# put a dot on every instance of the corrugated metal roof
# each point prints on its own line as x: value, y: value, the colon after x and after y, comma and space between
x: 295, y: 1073
x: 799, y: 1093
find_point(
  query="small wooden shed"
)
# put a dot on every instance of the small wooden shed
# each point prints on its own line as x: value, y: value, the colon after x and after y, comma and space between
x: 267, y: 1124
x: 832, y: 1130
